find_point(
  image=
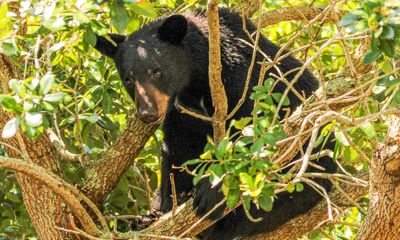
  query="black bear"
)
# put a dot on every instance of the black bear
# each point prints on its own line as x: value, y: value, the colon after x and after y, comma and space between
x: 166, y: 62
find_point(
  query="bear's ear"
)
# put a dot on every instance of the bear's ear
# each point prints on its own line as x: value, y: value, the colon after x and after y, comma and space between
x: 106, y: 47
x: 173, y: 29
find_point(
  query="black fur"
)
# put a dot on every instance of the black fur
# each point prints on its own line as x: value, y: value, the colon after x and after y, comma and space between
x: 182, y: 56
x: 173, y: 29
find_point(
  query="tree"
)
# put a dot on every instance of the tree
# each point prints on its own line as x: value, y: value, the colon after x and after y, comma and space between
x: 85, y: 165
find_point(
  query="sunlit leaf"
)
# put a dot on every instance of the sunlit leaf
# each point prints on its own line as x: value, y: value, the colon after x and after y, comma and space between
x: 10, y: 128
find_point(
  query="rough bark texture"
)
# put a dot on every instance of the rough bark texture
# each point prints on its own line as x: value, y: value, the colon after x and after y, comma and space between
x: 102, y: 177
x: 292, y: 13
x: 247, y: 7
x: 169, y: 225
x: 383, y: 219
x: 219, y: 99
x: 42, y: 204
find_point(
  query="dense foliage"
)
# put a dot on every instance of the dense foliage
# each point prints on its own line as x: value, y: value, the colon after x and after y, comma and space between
x: 68, y: 86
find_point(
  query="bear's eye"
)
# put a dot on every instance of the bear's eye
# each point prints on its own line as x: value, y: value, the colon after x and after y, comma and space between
x: 128, y: 79
x: 157, y: 73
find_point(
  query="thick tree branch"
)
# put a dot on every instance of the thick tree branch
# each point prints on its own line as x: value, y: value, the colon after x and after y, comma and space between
x: 383, y: 219
x: 292, y: 13
x: 57, y: 185
x: 102, y: 177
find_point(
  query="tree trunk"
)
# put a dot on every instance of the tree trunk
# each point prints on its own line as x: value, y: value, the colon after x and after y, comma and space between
x: 44, y: 207
x: 383, y: 219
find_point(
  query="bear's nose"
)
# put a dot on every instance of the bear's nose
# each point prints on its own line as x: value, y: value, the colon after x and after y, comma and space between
x: 148, y: 116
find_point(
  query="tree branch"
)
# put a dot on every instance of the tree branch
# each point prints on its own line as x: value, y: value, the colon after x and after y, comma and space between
x: 57, y: 185
x: 102, y: 177
x: 383, y: 218
x: 293, y: 13
x: 219, y: 99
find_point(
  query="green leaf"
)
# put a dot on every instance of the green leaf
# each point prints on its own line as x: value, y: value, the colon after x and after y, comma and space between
x: 269, y: 139
x: 248, y: 131
x: 10, y: 128
x: 119, y: 15
x: 221, y: 149
x: 387, y: 67
x: 89, y: 37
x: 299, y: 187
x: 55, y: 24
x: 93, y: 118
x: 31, y: 132
x: 371, y: 56
x: 3, y: 10
x: 265, y: 202
x: 388, y: 32
x: 246, y: 203
x: 246, y: 180
x: 231, y: 182
x: 46, y: 83
x: 106, y: 103
x: 14, y: 85
x: 232, y: 198
x: 144, y: 9
x: 217, y: 169
x: 340, y: 137
x: 240, y: 124
x: 54, y: 97
x: 369, y: 130
x: 199, y: 174
x: 388, y: 47
x: 216, y: 173
x: 10, y: 104
x: 290, y: 187
x: 376, y: 89
x: 193, y: 162
x: 34, y: 119
x: 28, y: 105
x: 10, y: 48
x: 348, y: 19
x: 277, y: 97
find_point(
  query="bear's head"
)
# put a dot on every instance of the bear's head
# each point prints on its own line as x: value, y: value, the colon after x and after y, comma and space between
x: 153, y: 64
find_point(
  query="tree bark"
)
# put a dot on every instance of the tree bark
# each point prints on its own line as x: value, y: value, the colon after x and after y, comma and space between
x: 46, y: 209
x: 102, y: 177
x: 383, y: 219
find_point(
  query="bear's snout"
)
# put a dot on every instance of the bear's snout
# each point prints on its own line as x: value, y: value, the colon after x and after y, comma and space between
x: 151, y: 103
x: 148, y: 115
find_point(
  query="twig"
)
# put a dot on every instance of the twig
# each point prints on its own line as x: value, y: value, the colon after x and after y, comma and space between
x: 174, y: 199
